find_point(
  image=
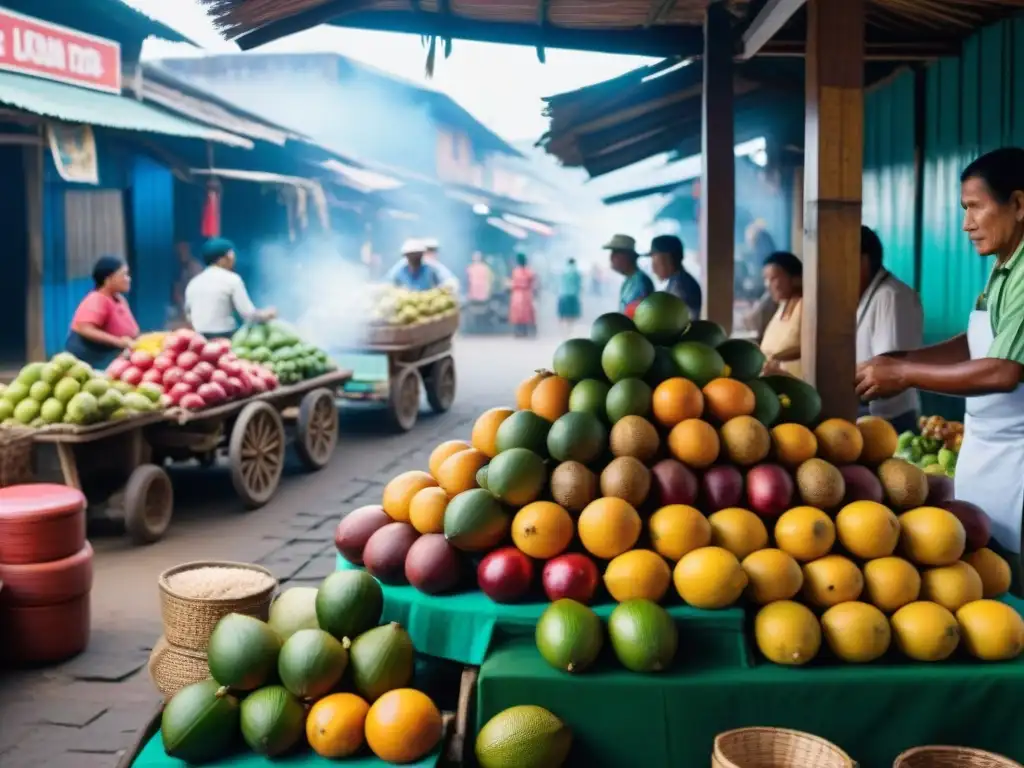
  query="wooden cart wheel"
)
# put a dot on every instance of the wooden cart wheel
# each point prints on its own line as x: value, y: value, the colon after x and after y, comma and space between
x: 404, y: 399
x: 148, y: 504
x: 256, y: 451
x: 317, y: 428
x: 441, y: 385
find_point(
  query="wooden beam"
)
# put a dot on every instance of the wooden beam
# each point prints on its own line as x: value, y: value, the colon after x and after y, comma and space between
x: 718, y: 169
x: 833, y: 170
x: 772, y: 18
x: 35, y: 343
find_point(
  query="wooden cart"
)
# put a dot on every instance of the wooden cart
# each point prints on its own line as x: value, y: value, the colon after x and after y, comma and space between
x: 252, y: 433
x: 418, y: 359
x: 111, y: 464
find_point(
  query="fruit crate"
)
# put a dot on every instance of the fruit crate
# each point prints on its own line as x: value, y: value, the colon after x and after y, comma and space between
x: 413, y: 335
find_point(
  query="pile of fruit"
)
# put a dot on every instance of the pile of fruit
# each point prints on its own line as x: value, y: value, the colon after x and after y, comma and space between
x: 276, y: 347
x: 67, y: 391
x: 648, y: 468
x: 192, y: 372
x: 936, y: 449
x: 278, y: 686
x: 390, y: 305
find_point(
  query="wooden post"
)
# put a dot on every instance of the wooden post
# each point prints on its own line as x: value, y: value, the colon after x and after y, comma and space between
x: 35, y: 343
x: 718, y: 169
x: 833, y: 167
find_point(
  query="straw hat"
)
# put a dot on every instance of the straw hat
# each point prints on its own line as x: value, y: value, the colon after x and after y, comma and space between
x: 430, y: 244
x: 412, y: 245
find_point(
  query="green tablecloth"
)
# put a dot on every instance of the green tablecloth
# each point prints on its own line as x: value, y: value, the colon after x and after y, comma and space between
x: 153, y: 756
x: 462, y: 627
x: 873, y: 712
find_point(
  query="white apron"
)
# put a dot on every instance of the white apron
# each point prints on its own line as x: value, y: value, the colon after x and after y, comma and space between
x: 990, y: 468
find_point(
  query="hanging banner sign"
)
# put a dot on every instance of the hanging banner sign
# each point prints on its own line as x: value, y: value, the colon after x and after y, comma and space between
x: 41, y: 49
x: 74, y: 153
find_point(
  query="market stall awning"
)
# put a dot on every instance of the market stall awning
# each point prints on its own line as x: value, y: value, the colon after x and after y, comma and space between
x: 362, y: 179
x: 78, y: 105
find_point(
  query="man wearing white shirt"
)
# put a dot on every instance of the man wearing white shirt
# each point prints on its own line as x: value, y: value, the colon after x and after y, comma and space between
x: 889, y: 319
x: 216, y: 297
x: 430, y: 248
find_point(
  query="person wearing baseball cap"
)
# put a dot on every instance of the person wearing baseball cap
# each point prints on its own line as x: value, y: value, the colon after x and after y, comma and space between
x: 414, y: 275
x: 428, y: 248
x: 636, y: 286
x: 667, y: 264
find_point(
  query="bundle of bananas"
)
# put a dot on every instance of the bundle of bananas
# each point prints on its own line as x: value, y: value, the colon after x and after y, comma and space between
x: 152, y: 343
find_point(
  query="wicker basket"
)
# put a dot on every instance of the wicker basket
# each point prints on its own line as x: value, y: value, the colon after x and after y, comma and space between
x: 172, y: 669
x: 188, y: 621
x: 952, y: 757
x: 15, y: 457
x: 776, y: 748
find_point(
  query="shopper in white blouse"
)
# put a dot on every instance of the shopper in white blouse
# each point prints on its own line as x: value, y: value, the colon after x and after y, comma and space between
x: 216, y: 298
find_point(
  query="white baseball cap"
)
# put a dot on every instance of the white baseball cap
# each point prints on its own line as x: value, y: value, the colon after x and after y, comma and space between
x: 431, y: 243
x: 412, y: 245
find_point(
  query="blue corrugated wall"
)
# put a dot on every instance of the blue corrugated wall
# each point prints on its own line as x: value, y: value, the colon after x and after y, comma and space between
x: 150, y: 239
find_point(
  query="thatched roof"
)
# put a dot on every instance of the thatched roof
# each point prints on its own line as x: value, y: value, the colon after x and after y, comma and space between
x: 652, y: 27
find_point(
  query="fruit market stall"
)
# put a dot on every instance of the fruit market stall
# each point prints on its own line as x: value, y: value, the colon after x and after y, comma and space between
x: 655, y: 528
x: 407, y: 350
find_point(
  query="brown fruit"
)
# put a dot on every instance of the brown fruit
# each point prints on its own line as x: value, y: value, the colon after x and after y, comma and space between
x: 746, y: 440
x: 905, y: 486
x: 839, y: 441
x: 820, y: 484
x: 626, y: 478
x: 573, y: 486
x: 634, y: 436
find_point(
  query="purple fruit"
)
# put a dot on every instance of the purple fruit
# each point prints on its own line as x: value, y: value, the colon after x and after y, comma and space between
x: 672, y: 482
x: 433, y: 565
x: 721, y: 487
x: 769, y: 490
x: 861, y: 484
x: 385, y: 552
x: 940, y: 490
x: 356, y: 528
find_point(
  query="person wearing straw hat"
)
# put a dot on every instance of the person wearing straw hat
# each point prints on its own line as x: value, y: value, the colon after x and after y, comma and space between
x: 414, y: 275
x: 636, y: 285
x: 431, y: 257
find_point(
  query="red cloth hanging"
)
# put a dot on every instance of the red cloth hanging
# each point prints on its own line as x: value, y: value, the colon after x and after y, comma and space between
x: 210, y: 225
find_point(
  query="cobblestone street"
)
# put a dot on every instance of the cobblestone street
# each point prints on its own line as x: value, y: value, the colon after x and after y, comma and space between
x: 85, y: 713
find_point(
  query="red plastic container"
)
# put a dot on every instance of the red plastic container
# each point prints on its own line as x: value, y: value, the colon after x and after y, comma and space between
x: 44, y: 634
x: 40, y: 523
x: 47, y: 583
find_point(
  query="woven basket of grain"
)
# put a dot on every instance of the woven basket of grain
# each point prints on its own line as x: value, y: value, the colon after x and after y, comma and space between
x: 952, y: 757
x: 172, y: 669
x: 195, y: 596
x: 776, y: 748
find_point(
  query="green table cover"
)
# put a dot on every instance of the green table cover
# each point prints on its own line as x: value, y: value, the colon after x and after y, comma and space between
x: 153, y: 756
x: 462, y: 627
x: 670, y: 720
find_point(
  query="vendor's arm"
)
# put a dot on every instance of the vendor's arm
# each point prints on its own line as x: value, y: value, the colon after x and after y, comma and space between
x: 949, y: 352
x: 91, y: 317
x: 243, y: 304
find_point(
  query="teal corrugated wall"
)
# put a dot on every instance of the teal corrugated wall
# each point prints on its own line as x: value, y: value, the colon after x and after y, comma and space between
x: 889, y: 184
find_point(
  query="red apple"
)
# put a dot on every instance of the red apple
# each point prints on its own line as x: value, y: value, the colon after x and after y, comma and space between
x: 721, y: 487
x: 196, y: 343
x: 132, y: 376
x: 153, y: 376
x: 211, y: 352
x: 505, y: 575
x: 573, y: 576
x: 231, y: 387
x: 673, y: 483
x: 141, y: 360
x: 230, y: 366
x: 769, y: 490
x: 212, y: 393
x: 163, y: 362
x: 117, y: 368
x: 172, y: 376
x: 241, y: 385
x: 187, y: 360
x: 192, y: 402
x: 176, y: 343
x: 975, y: 521
x: 203, y: 370
x: 257, y: 385
x: 178, y: 391
x: 219, y: 376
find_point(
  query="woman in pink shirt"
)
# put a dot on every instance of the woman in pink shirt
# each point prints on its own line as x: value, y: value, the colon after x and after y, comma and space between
x: 103, y: 324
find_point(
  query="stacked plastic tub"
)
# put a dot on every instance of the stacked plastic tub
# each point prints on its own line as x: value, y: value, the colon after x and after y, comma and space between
x: 46, y: 569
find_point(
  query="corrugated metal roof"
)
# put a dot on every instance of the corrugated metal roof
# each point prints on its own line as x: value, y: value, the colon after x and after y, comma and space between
x: 78, y: 105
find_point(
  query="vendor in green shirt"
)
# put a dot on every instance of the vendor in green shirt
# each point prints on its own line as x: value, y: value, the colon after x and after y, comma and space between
x: 986, y: 364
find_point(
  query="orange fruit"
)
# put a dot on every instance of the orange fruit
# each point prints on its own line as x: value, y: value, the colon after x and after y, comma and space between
x: 403, y: 725
x: 443, y: 451
x: 793, y: 444
x: 399, y: 491
x: 334, y: 726
x: 839, y: 441
x: 608, y: 527
x: 550, y: 398
x: 676, y: 400
x: 993, y: 569
x: 726, y: 399
x: 485, y: 431
x: 458, y: 472
x: 695, y: 443
x: 542, y: 530
x: 677, y: 529
x: 738, y: 530
x: 426, y: 510
x: 525, y: 389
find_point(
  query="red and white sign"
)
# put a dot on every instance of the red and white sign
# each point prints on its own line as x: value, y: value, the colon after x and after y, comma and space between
x: 41, y: 49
